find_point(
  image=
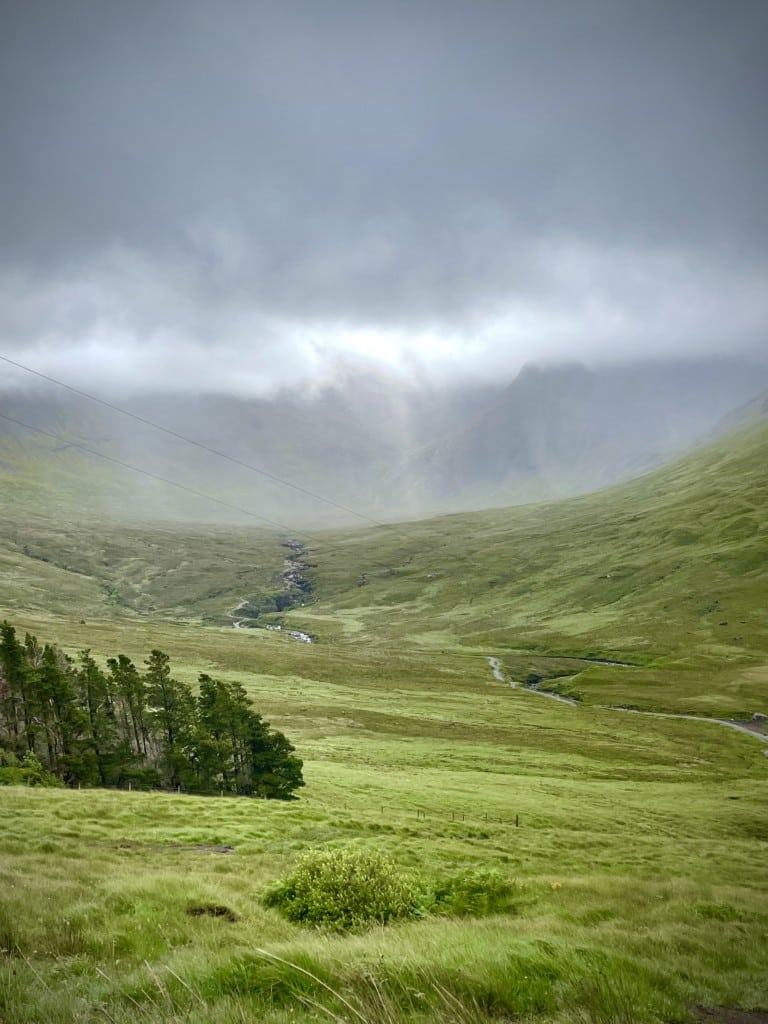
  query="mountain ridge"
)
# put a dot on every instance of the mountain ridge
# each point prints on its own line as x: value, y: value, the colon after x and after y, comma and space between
x: 371, y: 446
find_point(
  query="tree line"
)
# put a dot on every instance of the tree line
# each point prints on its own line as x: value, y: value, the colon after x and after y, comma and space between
x: 124, y: 726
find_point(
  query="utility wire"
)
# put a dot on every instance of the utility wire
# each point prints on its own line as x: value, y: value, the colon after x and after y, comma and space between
x: 325, y: 648
x: 335, y: 648
x: 144, y: 472
x: 197, y: 444
x: 173, y: 483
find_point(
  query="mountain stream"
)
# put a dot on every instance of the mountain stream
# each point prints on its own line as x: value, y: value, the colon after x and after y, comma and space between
x: 753, y: 726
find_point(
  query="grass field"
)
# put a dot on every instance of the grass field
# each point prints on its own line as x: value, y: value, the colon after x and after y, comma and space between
x: 637, y: 845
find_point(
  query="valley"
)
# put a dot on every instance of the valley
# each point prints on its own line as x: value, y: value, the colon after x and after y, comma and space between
x: 635, y: 841
x: 364, y: 446
x: 383, y: 512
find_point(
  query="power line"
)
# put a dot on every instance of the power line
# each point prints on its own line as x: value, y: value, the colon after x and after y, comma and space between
x: 236, y: 508
x: 197, y: 444
x: 173, y: 483
x: 143, y: 472
x: 326, y: 647
x: 398, y: 531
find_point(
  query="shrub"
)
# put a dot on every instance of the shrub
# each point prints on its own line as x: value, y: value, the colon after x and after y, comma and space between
x: 28, y: 772
x: 474, y: 893
x: 345, y: 888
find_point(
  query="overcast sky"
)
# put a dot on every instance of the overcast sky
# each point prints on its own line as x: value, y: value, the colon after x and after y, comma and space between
x: 234, y: 195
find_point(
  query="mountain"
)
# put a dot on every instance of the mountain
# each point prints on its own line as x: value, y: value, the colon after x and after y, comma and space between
x: 567, y: 430
x: 751, y: 412
x: 651, y: 592
x: 373, y: 447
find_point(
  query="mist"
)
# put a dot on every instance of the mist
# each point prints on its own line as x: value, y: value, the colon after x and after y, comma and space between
x: 251, y: 197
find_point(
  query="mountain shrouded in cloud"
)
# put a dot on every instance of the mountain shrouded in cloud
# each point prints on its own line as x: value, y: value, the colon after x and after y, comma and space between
x: 235, y: 197
x: 368, y: 448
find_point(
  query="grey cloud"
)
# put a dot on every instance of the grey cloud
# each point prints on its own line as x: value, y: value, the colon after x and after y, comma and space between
x: 263, y: 177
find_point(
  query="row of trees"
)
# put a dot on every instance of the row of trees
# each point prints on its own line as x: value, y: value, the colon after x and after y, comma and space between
x: 123, y: 726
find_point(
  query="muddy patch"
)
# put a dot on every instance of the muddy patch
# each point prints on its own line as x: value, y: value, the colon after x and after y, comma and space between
x: 212, y: 910
x: 132, y: 844
x: 726, y: 1015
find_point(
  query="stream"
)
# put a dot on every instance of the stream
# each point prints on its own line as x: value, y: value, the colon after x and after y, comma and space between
x: 753, y: 727
x: 294, y: 634
x: 498, y: 673
x: 237, y: 623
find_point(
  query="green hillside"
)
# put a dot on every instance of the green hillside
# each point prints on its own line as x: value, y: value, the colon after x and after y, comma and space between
x: 366, y: 441
x: 669, y: 572
x: 633, y: 846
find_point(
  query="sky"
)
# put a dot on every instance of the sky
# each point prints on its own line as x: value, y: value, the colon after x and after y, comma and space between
x: 245, y: 195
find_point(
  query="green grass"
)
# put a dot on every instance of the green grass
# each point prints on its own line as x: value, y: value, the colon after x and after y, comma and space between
x: 642, y: 881
x: 635, y: 845
x: 669, y: 572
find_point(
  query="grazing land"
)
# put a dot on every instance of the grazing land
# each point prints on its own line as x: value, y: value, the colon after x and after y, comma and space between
x: 636, y: 844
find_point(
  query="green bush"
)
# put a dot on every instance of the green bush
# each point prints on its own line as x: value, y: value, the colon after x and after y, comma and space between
x: 474, y: 893
x: 28, y: 772
x: 345, y: 888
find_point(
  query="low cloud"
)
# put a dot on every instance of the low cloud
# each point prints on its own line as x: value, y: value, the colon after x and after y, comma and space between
x: 128, y: 326
x: 243, y: 197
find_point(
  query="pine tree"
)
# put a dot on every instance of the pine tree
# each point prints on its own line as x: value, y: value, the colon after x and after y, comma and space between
x: 108, y: 728
x: 64, y: 720
x: 34, y: 711
x: 131, y: 699
x: 249, y: 757
x: 171, y: 713
x: 12, y: 675
x: 276, y: 771
x: 216, y: 745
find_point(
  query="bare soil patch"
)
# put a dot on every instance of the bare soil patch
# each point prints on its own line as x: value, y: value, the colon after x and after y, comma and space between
x: 132, y: 844
x: 727, y: 1015
x: 212, y: 910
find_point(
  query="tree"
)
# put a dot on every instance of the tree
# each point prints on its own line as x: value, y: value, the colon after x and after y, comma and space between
x: 130, y: 694
x: 171, y: 713
x: 252, y: 758
x: 12, y: 678
x: 84, y: 725
x: 276, y: 772
x: 63, y: 718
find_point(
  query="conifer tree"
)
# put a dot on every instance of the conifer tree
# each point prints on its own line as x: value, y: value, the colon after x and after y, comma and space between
x: 130, y: 696
x: 83, y: 725
x: 170, y: 710
x: 12, y: 673
x: 64, y: 721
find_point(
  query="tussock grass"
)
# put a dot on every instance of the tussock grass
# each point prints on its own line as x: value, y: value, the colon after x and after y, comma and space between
x: 604, y: 912
x: 635, y: 846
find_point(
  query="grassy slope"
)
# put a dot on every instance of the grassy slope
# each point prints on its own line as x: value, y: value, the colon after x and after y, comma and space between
x: 641, y: 847
x: 669, y: 571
